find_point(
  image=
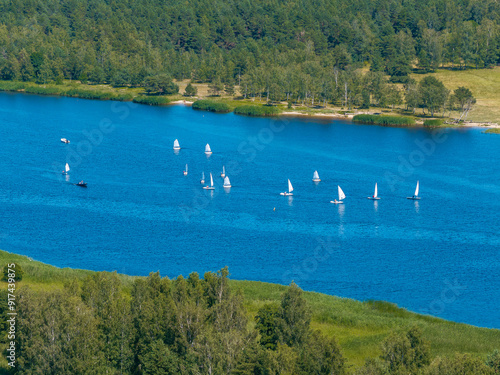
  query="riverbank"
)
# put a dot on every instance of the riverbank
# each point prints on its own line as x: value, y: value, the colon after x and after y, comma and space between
x: 359, y: 327
x: 107, y: 92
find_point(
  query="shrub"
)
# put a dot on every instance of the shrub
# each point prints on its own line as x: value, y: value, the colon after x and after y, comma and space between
x: 434, y: 122
x: 212, y: 106
x: 88, y: 94
x: 11, y: 86
x: 18, y: 272
x: 256, y: 110
x: 384, y: 120
x: 151, y: 100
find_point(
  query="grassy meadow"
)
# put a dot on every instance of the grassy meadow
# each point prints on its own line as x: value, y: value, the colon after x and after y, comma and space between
x: 484, y: 84
x: 359, y: 327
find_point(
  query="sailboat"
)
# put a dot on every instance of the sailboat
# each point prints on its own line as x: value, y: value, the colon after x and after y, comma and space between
x: 290, y: 189
x: 186, y: 171
x: 202, y: 181
x: 415, y: 196
x: 176, y: 145
x: 227, y: 183
x: 375, y: 194
x: 341, y: 197
x: 211, y: 187
x: 223, y: 174
x: 64, y: 140
x: 208, y: 151
x: 81, y: 184
x: 316, y: 177
x: 66, y: 169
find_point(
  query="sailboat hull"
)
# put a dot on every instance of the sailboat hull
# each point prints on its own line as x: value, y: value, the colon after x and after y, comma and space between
x: 286, y: 194
x: 316, y: 179
x: 202, y: 182
x: 374, y: 198
x: 208, y: 188
x: 222, y: 175
x: 413, y: 198
x: 338, y: 202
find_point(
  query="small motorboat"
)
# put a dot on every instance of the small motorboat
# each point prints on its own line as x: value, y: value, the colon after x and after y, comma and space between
x: 64, y: 140
x: 81, y: 184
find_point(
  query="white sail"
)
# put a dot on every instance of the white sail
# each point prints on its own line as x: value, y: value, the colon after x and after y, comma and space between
x: 223, y: 170
x: 207, y: 149
x: 315, y: 175
x: 66, y: 168
x: 227, y: 183
x: 290, y: 187
x: 186, y: 168
x: 416, y: 190
x: 211, y: 180
x: 341, y: 194
x: 375, y: 195
x: 203, y: 176
x: 176, y: 145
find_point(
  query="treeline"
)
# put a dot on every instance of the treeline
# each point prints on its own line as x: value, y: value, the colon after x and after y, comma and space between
x: 195, y: 326
x: 123, y: 42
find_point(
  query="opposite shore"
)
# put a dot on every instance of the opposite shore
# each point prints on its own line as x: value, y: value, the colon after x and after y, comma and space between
x: 106, y: 92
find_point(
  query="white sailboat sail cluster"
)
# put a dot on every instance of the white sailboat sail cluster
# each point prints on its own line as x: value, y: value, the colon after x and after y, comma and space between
x: 316, y: 178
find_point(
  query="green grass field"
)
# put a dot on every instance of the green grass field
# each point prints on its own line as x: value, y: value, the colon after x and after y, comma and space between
x: 359, y: 326
x: 484, y: 84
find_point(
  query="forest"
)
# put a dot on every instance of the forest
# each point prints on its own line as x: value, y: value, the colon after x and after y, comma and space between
x: 193, y: 325
x: 305, y: 51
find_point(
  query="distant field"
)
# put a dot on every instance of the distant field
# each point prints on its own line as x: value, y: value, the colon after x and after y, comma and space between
x: 484, y: 84
x: 359, y: 327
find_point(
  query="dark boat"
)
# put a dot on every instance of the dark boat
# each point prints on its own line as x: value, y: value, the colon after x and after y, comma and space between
x: 82, y: 184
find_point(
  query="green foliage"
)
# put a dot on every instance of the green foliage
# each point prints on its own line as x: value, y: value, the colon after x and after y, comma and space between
x: 267, y: 323
x: 433, y: 94
x: 433, y: 122
x: 404, y: 353
x: 493, y: 361
x: 256, y: 110
x: 384, y: 120
x: 111, y: 323
x: 212, y: 106
x: 458, y: 365
x: 190, y: 90
x: 295, y: 317
x: 18, y: 272
x: 160, y: 84
x: 151, y: 100
x: 88, y: 94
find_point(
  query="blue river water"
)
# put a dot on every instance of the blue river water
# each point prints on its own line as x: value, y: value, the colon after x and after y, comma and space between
x: 438, y: 255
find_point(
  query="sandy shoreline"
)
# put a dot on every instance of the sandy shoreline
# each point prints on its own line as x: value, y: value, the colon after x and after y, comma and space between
x: 349, y: 116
